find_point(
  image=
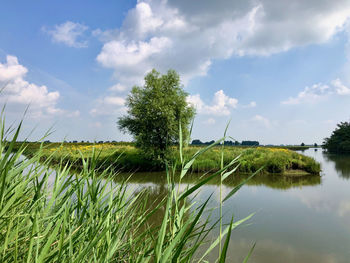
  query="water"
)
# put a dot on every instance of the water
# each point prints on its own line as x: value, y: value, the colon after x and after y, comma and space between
x: 297, y: 219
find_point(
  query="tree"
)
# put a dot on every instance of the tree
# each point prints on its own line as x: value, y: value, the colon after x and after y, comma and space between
x: 339, y: 141
x: 196, y: 142
x: 302, y: 144
x: 154, y: 113
x: 250, y: 143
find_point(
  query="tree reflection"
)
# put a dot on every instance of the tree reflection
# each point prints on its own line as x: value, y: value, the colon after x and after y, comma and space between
x: 269, y: 180
x: 341, y: 163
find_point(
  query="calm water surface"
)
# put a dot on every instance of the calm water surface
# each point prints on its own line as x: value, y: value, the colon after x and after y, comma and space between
x: 296, y: 220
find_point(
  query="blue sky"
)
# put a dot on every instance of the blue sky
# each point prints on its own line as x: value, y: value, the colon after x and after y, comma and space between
x: 278, y: 69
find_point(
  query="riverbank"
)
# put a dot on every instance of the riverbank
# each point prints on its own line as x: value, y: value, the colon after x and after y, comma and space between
x: 125, y: 157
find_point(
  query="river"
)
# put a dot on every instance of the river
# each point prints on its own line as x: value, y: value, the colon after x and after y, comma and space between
x: 297, y: 219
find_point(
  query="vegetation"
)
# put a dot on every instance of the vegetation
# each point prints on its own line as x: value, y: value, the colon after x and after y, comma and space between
x: 154, y: 113
x: 54, y: 216
x: 339, y: 141
x: 227, y: 143
x: 128, y: 158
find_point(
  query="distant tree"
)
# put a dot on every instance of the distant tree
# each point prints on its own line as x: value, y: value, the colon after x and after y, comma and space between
x: 210, y: 142
x: 75, y: 141
x: 302, y: 144
x: 237, y: 143
x: 196, y: 142
x: 315, y: 145
x: 250, y: 143
x: 229, y: 143
x: 339, y: 141
x: 154, y: 113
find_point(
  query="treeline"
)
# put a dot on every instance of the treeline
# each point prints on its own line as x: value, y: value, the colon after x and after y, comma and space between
x: 228, y: 143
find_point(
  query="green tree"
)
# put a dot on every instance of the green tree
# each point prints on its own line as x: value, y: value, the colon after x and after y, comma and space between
x: 339, y: 141
x: 154, y: 113
x: 302, y: 144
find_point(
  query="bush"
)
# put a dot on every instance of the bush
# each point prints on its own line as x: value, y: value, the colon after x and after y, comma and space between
x: 339, y: 141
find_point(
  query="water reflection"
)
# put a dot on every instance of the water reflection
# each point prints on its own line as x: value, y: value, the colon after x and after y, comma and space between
x: 298, y: 219
x: 342, y: 164
x: 271, y: 181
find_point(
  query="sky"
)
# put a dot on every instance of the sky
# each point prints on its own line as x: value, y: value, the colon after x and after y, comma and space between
x: 278, y: 70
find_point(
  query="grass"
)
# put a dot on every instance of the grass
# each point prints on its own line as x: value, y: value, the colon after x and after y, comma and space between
x: 51, y: 215
x: 274, y: 160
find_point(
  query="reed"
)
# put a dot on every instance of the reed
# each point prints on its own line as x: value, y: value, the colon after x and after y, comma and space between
x: 53, y: 215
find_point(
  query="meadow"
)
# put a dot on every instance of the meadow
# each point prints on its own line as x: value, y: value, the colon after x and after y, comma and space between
x: 127, y: 158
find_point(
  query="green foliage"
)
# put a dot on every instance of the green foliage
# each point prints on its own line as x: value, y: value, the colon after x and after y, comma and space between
x: 130, y: 159
x: 339, y: 141
x: 154, y: 113
x: 56, y: 216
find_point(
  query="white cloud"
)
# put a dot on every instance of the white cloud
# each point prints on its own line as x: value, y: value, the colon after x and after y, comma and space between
x: 131, y: 60
x: 340, y: 88
x: 69, y: 33
x: 196, y: 101
x: 118, y: 87
x: 318, y: 92
x: 109, y: 105
x: 11, y: 69
x: 252, y: 104
x: 210, y: 121
x: 309, y: 95
x: 18, y: 91
x: 262, y: 120
x: 187, y: 37
x: 221, y: 105
x: 141, y: 21
x: 114, y: 100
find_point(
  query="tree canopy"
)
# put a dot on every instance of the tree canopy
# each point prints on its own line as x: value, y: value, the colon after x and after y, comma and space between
x: 155, y: 111
x: 339, y: 141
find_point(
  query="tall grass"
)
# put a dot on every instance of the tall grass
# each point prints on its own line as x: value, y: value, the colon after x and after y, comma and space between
x: 57, y: 216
